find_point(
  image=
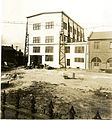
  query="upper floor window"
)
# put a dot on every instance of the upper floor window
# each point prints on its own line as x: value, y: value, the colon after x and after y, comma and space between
x: 37, y: 26
x: 65, y: 25
x: 70, y: 29
x: 96, y: 45
x: 36, y: 39
x: 79, y: 60
x: 79, y: 49
x: 49, y: 49
x: 49, y: 39
x: 49, y: 25
x: 110, y: 44
x: 36, y: 49
x: 67, y: 49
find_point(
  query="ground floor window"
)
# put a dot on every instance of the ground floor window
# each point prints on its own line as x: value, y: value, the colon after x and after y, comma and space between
x: 48, y: 57
x: 96, y: 61
x: 79, y: 60
x: 109, y: 61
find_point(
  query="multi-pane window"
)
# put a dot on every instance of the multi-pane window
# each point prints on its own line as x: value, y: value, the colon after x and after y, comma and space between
x: 96, y: 45
x: 79, y: 60
x: 36, y: 49
x: 48, y: 57
x: 49, y: 39
x: 49, y: 49
x: 49, y: 25
x: 70, y: 29
x: 37, y: 26
x: 79, y: 49
x: 65, y: 25
x: 67, y: 49
x: 36, y: 39
x: 110, y: 44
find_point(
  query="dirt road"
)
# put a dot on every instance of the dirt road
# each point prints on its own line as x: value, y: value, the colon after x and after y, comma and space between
x: 88, y: 92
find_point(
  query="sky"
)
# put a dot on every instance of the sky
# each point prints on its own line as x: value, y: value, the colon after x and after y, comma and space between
x: 92, y: 15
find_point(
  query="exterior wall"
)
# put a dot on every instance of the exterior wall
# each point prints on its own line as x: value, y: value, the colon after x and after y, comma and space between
x: 74, y: 25
x: 43, y: 32
x: 104, y: 52
x: 72, y: 55
x: 56, y: 18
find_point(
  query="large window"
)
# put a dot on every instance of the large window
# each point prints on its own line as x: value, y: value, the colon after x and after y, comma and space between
x: 36, y: 39
x: 96, y: 45
x: 49, y: 49
x: 79, y: 60
x: 36, y: 49
x: 37, y: 26
x: 65, y: 25
x: 96, y: 61
x: 70, y: 29
x: 67, y: 49
x: 79, y: 49
x: 49, y: 25
x: 48, y: 57
x: 49, y: 39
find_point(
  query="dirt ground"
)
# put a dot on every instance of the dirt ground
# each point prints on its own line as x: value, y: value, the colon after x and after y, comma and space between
x: 87, y: 93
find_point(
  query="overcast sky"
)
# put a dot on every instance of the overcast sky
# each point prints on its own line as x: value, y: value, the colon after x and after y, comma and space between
x: 92, y: 15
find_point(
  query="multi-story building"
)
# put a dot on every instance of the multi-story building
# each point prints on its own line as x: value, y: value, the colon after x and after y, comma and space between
x: 54, y: 39
x: 100, y: 50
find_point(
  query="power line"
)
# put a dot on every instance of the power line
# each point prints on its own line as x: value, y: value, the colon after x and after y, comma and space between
x: 23, y: 22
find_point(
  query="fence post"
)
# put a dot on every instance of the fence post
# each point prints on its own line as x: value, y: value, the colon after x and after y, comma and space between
x: 73, y: 75
x: 97, y: 116
x: 17, y: 103
x: 51, y: 110
x: 4, y: 102
x: 33, y: 102
x: 72, y: 113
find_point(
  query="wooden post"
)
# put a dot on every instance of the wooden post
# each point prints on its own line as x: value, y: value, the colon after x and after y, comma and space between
x: 33, y: 102
x: 97, y: 116
x: 73, y: 75
x: 51, y: 110
x: 4, y: 102
x: 72, y: 113
x: 17, y: 102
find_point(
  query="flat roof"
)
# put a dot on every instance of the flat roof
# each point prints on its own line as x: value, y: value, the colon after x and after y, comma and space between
x: 54, y: 13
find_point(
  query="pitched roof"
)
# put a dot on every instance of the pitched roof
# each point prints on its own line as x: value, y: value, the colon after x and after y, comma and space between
x: 101, y: 35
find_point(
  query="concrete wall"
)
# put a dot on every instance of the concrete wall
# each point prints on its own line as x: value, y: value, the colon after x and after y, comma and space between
x: 72, y: 55
x: 56, y: 18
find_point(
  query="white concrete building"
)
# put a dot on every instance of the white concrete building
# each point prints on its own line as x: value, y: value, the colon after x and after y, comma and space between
x: 56, y: 40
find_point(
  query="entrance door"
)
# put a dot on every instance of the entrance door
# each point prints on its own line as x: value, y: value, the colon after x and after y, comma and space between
x: 36, y: 60
x: 68, y: 62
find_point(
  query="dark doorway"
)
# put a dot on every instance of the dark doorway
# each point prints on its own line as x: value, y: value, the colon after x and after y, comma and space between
x: 68, y: 62
x: 36, y: 60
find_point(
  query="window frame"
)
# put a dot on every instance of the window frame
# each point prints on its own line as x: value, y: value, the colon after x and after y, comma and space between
x: 67, y: 49
x: 49, y: 25
x: 47, y: 58
x: 49, y: 49
x: 37, y: 26
x: 36, y: 51
x: 36, y: 39
x: 49, y: 39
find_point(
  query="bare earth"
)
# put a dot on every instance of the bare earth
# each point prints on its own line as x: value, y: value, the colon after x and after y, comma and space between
x: 89, y: 92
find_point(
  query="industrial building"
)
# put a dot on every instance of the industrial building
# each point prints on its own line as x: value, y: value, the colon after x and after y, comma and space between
x: 100, y: 50
x: 54, y: 39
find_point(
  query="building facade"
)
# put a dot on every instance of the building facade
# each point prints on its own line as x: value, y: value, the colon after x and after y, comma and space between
x: 56, y: 40
x: 100, y: 50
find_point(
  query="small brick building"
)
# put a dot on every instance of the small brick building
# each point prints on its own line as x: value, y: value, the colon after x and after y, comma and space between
x: 100, y: 50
